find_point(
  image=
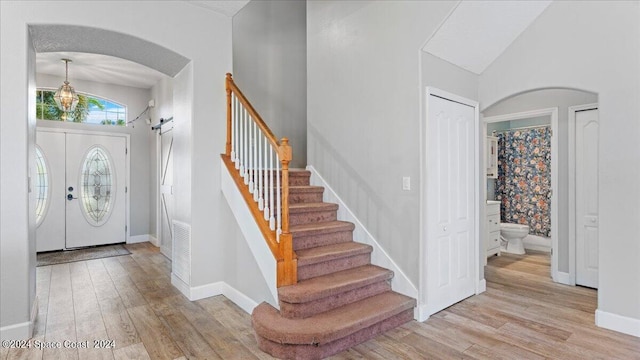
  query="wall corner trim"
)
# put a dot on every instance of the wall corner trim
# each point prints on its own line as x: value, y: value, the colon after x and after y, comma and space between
x: 565, y: 278
x: 400, y: 282
x: 482, y: 286
x: 153, y: 240
x: 615, y: 322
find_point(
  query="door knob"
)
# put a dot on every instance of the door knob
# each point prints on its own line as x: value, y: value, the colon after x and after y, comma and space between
x: 70, y: 197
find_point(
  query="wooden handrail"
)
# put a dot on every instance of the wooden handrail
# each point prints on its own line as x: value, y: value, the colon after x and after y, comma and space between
x: 281, y: 245
x: 232, y: 87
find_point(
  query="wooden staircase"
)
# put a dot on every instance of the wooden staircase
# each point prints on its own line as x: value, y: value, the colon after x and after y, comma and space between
x: 340, y: 299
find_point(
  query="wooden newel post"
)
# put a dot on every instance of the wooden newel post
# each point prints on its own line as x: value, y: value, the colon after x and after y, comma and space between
x: 228, y: 81
x: 290, y: 266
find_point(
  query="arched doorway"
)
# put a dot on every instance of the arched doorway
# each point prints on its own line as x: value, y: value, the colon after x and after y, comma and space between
x: 562, y: 190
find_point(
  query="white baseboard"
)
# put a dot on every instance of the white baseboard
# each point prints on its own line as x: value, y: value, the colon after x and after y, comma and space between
x: 243, y: 301
x: 138, y: 239
x: 564, y: 278
x: 400, y: 282
x: 618, y: 323
x: 21, y: 331
x: 154, y: 241
x: 214, y: 289
x: 205, y: 291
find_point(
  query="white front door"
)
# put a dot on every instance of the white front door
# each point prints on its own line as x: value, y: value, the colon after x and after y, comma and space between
x: 587, y: 220
x: 166, y: 188
x: 451, y: 213
x: 86, y: 184
x: 50, y: 191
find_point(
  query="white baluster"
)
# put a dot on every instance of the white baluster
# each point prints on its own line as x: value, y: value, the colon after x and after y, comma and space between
x: 242, y: 152
x: 247, y: 119
x: 233, y: 124
x: 278, y: 198
x: 266, y: 180
x: 236, y: 115
x: 252, y: 125
x: 272, y: 222
x: 255, y: 162
x: 260, y: 172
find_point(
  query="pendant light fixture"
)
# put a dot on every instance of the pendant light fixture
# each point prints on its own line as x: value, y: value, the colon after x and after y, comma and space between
x: 66, y: 97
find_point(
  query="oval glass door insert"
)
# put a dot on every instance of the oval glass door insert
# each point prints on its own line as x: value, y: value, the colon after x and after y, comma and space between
x: 42, y: 186
x: 97, y: 183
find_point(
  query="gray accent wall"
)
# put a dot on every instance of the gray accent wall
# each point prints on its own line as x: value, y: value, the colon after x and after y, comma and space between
x: 365, y: 116
x: 269, y: 66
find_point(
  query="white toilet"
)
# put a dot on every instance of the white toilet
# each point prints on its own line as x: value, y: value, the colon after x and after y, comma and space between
x: 513, y: 235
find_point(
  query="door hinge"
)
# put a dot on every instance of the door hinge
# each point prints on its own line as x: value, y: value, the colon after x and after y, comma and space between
x: 126, y: 189
x: 126, y: 151
x: 125, y: 228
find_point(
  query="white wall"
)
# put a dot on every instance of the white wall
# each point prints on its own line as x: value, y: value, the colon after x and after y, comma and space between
x: 270, y: 67
x: 17, y: 216
x: 593, y: 46
x: 366, y: 79
x: 136, y: 100
x: 543, y: 99
x: 202, y: 36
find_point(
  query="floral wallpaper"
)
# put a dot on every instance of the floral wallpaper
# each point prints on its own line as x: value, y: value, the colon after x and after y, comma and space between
x: 524, y: 178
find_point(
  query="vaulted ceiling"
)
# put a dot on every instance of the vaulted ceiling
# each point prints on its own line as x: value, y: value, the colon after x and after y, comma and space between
x: 477, y: 32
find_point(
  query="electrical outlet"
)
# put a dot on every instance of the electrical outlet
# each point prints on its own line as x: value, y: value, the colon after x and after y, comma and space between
x: 406, y: 183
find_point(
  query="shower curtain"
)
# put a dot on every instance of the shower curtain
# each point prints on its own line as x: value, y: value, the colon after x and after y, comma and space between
x: 524, y: 178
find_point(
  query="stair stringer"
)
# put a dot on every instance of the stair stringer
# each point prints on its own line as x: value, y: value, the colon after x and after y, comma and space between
x: 251, y: 233
x: 400, y: 282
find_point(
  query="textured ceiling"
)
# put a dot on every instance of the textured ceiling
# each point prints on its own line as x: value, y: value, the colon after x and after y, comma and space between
x: 82, y: 39
x: 99, y: 68
x: 228, y: 8
x: 477, y: 32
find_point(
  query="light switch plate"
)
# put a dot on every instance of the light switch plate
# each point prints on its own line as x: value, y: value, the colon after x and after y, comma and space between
x: 406, y: 183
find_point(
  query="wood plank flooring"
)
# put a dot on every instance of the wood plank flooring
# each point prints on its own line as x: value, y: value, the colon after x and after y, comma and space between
x: 130, y: 300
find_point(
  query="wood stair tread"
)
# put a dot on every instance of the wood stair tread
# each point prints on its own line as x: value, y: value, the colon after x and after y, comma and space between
x: 333, y: 284
x: 331, y: 252
x: 321, y: 228
x: 331, y: 325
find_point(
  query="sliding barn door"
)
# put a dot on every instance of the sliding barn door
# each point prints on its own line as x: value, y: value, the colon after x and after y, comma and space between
x: 166, y: 189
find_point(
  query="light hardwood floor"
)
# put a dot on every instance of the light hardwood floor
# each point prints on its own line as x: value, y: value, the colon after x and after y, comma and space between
x: 129, y: 299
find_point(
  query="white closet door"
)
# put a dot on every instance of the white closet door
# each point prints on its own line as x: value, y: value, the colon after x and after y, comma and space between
x: 49, y: 184
x: 95, y: 211
x: 587, y: 220
x: 451, y: 198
